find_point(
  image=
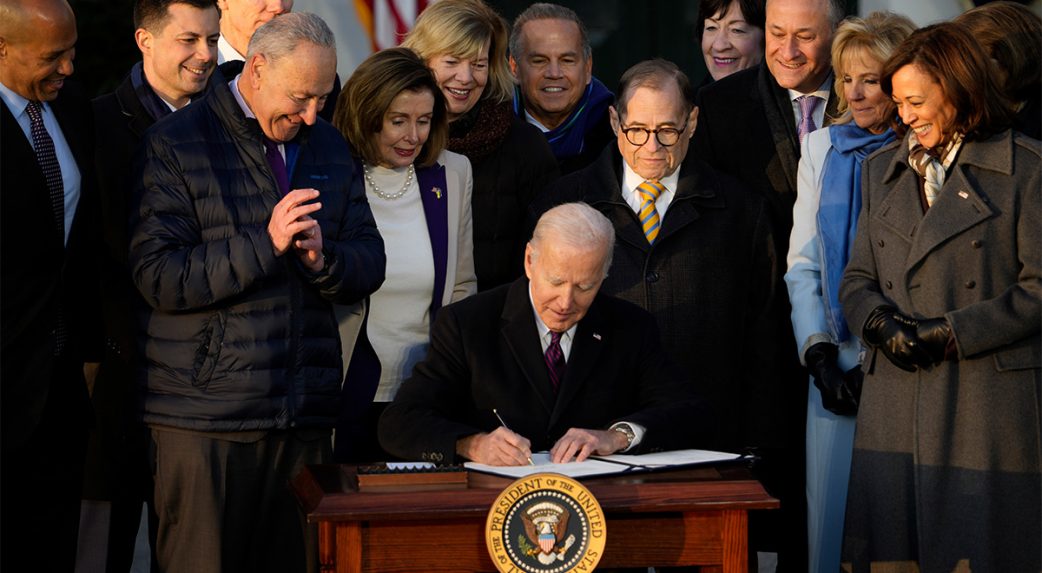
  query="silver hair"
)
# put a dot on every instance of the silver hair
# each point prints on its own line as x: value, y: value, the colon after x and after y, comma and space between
x: 576, y: 225
x: 279, y: 37
x: 547, y: 11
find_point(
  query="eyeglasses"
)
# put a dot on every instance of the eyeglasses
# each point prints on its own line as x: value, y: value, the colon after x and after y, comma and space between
x: 666, y: 136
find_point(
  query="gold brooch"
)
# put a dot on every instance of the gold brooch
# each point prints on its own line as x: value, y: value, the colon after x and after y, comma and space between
x: 437, y: 192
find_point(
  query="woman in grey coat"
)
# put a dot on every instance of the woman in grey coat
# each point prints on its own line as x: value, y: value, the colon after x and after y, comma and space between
x: 945, y: 286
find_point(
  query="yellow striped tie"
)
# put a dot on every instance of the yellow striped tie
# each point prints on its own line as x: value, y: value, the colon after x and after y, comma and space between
x: 649, y: 219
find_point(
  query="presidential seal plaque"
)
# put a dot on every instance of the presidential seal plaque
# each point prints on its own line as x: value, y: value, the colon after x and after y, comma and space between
x: 545, y: 523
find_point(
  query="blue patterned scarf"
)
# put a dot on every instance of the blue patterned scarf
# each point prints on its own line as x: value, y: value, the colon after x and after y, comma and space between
x: 566, y: 140
x: 839, y: 209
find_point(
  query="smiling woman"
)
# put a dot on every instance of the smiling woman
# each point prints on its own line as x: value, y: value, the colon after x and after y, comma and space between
x: 464, y: 42
x: 731, y: 35
x: 394, y: 115
x: 945, y: 287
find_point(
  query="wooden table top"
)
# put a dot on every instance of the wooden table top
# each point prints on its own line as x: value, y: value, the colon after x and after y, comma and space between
x: 330, y: 493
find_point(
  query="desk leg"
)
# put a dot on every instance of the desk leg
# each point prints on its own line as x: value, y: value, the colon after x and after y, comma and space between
x: 735, y: 541
x: 349, y: 547
x: 326, y: 547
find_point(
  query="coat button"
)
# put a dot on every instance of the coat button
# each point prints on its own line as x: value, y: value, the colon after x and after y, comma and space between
x: 652, y: 277
x: 971, y: 284
x: 889, y: 285
x: 882, y: 243
x: 976, y: 243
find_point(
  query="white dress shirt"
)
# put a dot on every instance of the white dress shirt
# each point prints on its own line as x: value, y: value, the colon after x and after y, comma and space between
x: 544, y: 331
x: 566, y: 349
x: 630, y: 182
x: 822, y: 92
x: 226, y: 53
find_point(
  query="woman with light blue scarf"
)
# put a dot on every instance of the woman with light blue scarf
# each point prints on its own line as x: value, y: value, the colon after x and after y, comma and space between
x: 825, y: 223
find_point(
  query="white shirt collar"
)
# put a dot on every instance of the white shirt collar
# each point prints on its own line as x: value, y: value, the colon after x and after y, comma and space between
x: 633, y: 198
x: 532, y: 120
x: 823, y: 91
x: 234, y: 86
x: 226, y: 53
x: 544, y: 331
x: 630, y: 180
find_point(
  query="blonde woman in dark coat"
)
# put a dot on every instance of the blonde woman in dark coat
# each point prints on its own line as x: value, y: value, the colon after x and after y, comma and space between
x: 945, y: 286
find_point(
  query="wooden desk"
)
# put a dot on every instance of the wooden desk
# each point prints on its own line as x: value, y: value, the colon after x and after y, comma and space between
x: 684, y: 517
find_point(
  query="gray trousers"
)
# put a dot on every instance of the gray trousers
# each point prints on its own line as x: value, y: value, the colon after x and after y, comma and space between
x: 224, y: 502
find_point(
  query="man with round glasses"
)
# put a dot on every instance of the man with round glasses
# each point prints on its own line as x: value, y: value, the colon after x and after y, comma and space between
x: 692, y: 246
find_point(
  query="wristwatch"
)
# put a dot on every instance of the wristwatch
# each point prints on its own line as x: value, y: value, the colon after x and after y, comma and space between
x: 626, y: 430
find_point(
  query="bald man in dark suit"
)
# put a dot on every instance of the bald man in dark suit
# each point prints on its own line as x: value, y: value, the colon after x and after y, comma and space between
x: 46, y: 241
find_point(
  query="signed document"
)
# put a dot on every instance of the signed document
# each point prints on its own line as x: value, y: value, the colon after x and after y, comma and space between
x: 608, y: 465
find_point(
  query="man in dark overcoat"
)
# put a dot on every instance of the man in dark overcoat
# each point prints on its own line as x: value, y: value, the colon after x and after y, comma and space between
x: 178, y: 44
x: 751, y: 127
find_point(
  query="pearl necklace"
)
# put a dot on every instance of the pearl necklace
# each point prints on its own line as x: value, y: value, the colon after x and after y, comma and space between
x: 388, y: 196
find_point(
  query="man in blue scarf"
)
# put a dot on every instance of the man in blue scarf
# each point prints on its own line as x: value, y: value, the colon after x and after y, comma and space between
x: 551, y: 60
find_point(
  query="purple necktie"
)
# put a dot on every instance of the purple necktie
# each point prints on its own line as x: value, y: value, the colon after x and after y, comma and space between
x: 555, y: 360
x: 808, y: 103
x: 48, y: 161
x: 278, y: 164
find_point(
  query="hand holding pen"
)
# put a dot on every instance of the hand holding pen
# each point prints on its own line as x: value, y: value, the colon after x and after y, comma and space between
x: 526, y: 449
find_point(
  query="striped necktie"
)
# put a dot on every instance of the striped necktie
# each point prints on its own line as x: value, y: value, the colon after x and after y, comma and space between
x: 648, y: 215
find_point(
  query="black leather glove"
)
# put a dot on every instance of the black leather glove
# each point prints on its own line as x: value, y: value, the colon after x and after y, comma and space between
x: 852, y: 380
x: 934, y: 335
x: 829, y: 379
x: 894, y: 334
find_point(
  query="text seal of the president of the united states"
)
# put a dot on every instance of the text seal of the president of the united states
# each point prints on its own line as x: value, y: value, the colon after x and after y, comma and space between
x: 545, y: 523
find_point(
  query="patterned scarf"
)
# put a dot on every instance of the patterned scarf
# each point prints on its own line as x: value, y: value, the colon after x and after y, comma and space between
x: 932, y: 164
x: 838, y: 210
x: 481, y: 130
x: 567, y: 139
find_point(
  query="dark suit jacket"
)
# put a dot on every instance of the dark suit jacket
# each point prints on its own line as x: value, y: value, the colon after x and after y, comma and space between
x: 485, y: 354
x: 38, y: 274
x: 746, y: 128
x: 708, y: 281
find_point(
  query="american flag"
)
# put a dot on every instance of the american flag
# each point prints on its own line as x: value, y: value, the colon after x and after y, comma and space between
x: 388, y: 21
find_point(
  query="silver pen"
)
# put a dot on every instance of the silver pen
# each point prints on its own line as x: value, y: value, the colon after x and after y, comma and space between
x: 504, y: 424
